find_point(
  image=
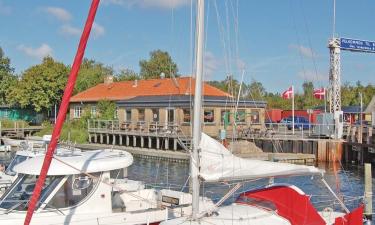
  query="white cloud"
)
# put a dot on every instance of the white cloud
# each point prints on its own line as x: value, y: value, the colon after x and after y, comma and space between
x: 97, y: 30
x: 166, y: 4
x: 68, y: 30
x: 59, y: 13
x: 313, y: 76
x: 305, y: 51
x: 39, y: 53
x: 211, y: 64
x: 4, y: 9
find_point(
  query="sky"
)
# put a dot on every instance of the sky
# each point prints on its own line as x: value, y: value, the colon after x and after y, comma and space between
x: 279, y: 43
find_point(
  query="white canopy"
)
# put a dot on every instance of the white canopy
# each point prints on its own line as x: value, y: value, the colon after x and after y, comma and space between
x: 77, y: 162
x: 218, y: 164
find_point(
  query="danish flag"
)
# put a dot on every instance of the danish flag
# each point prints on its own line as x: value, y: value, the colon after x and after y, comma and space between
x: 288, y: 93
x: 319, y: 93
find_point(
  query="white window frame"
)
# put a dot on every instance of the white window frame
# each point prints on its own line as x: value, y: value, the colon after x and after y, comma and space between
x: 77, y: 111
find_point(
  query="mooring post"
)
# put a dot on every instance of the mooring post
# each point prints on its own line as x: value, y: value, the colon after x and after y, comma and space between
x: 1, y: 132
x: 368, y: 191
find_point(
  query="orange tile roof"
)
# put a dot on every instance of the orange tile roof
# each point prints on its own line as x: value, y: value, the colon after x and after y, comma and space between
x: 154, y: 87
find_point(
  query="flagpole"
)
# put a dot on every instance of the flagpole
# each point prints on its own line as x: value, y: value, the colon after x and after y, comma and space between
x: 325, y: 101
x: 293, y: 109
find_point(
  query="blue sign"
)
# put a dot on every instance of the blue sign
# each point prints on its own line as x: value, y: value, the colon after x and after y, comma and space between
x: 357, y: 45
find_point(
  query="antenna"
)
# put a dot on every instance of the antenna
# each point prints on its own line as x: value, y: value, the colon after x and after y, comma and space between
x: 334, y: 19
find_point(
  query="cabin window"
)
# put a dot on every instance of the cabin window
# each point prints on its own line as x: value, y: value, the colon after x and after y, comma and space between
x: 240, y: 116
x: 141, y: 115
x: 93, y: 111
x: 128, y: 115
x: 155, y: 115
x: 187, y: 116
x: 73, y: 191
x: 208, y: 116
x: 77, y: 111
x: 16, y: 160
x: 18, y: 195
x: 255, y: 116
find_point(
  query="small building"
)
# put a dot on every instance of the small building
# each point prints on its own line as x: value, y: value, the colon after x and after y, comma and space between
x: 167, y: 103
x: 370, y: 111
x: 8, y: 112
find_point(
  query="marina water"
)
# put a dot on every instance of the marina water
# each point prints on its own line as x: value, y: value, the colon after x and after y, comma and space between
x: 174, y: 175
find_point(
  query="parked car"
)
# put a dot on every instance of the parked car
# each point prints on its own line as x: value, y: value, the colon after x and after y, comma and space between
x: 300, y: 123
x: 287, y: 120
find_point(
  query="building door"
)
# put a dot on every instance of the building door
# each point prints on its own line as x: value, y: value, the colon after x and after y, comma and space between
x: 170, y: 115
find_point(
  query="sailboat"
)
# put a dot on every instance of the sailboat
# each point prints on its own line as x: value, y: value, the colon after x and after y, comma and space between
x: 275, y: 204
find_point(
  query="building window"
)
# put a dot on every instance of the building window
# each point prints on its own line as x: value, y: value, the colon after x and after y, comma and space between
x: 255, y: 117
x: 187, y: 116
x: 77, y: 111
x: 170, y: 115
x: 93, y: 111
x: 128, y: 115
x: 116, y: 113
x: 208, y: 116
x: 225, y: 117
x: 240, y: 116
x: 155, y: 115
x: 141, y: 115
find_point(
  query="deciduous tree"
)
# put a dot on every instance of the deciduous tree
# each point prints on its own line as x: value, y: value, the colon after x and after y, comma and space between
x: 159, y: 62
x: 41, y: 85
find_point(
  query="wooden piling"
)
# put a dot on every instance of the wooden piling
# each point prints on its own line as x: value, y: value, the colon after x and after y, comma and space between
x: 368, y: 191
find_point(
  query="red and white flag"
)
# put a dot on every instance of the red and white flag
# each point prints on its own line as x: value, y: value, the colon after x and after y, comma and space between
x: 319, y: 93
x: 288, y: 93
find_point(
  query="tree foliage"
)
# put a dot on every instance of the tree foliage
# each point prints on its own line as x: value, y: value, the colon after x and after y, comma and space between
x: 7, y: 78
x: 127, y: 75
x: 106, y: 109
x: 41, y: 85
x: 159, y: 62
x: 90, y: 74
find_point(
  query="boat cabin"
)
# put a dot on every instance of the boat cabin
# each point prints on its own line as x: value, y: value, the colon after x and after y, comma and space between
x: 88, y: 186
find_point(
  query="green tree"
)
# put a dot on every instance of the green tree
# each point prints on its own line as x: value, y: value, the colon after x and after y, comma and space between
x: 90, y: 74
x: 256, y: 90
x: 159, y: 62
x: 127, y: 75
x: 106, y: 109
x: 7, y: 78
x: 41, y: 85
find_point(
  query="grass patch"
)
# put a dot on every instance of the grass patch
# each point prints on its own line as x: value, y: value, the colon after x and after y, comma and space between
x: 6, y: 123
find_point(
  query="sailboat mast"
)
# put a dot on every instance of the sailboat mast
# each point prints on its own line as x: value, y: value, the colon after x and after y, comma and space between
x: 194, y: 157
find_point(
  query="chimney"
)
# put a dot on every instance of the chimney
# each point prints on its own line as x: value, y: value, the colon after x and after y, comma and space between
x: 135, y: 83
x: 108, y: 79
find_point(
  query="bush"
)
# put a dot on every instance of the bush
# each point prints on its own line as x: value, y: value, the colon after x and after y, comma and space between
x: 74, y: 131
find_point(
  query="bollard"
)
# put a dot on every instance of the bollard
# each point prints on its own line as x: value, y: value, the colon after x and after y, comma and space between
x: 368, y: 191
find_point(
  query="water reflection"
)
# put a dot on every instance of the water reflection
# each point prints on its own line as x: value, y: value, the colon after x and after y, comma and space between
x: 174, y: 175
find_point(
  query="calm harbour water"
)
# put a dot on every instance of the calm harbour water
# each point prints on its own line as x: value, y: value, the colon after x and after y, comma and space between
x: 174, y: 175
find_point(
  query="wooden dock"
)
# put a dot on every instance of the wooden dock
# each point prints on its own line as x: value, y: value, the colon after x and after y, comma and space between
x: 360, y: 145
x: 18, y: 130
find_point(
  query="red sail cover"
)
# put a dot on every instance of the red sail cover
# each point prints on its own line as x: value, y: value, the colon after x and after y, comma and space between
x: 288, y: 93
x: 62, y: 111
x: 353, y: 218
x: 288, y: 201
